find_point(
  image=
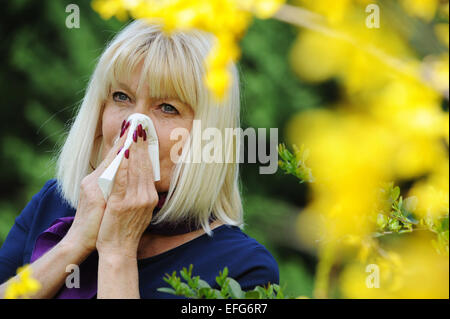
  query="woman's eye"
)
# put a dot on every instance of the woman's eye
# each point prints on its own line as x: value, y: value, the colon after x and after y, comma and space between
x: 167, y: 108
x: 120, y: 97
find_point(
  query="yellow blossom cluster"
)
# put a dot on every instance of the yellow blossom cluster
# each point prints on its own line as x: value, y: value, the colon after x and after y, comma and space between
x: 388, y: 125
x: 23, y: 286
x: 226, y: 19
x: 413, y: 271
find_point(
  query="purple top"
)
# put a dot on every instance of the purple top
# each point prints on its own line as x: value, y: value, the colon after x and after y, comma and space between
x: 88, y: 269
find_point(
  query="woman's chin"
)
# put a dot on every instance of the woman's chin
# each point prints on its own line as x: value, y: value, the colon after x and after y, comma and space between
x: 161, y: 186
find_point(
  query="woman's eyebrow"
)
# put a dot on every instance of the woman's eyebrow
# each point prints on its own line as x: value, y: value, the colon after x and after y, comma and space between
x: 125, y: 86
x: 168, y: 99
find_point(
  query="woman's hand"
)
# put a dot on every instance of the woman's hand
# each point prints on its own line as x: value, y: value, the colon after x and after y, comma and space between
x: 130, y: 206
x: 91, y: 205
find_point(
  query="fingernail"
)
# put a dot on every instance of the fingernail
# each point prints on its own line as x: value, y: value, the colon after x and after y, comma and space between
x: 120, y: 149
x: 127, y: 153
x: 124, y: 129
x: 139, y: 130
x: 144, y: 135
x: 123, y: 124
x: 135, y: 136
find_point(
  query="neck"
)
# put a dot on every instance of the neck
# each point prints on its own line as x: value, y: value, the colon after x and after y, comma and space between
x: 154, y: 244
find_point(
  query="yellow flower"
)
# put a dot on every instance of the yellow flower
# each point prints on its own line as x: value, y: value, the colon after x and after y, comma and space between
x: 441, y: 30
x: 424, y: 9
x: 110, y: 8
x: 413, y: 270
x: 433, y: 192
x: 227, y: 19
x: 24, y: 286
x: 266, y: 8
x: 218, y: 80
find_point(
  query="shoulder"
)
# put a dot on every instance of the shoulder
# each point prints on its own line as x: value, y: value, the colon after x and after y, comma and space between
x: 47, y: 190
x: 37, y: 215
x: 44, y: 207
x: 248, y: 261
x: 50, y: 197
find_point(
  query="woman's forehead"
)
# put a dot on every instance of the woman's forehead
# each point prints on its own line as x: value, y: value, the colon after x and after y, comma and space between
x: 162, y: 74
x: 142, y: 89
x: 137, y: 84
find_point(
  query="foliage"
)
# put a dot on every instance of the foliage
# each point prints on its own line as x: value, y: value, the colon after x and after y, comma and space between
x: 388, y: 122
x: 400, y: 218
x: 294, y: 164
x: 393, y: 216
x: 196, y: 288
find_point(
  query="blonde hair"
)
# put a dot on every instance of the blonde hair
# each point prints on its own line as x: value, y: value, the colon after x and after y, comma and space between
x: 174, y: 67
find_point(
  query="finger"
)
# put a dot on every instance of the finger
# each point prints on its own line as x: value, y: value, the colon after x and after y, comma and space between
x: 146, y: 182
x: 141, y: 173
x: 120, y: 186
x: 146, y: 168
x: 134, y: 166
x: 115, y: 149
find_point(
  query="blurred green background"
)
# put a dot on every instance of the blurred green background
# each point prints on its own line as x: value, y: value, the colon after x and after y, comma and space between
x: 46, y: 67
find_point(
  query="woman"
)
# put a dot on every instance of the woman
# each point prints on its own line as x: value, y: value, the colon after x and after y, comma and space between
x: 145, y: 229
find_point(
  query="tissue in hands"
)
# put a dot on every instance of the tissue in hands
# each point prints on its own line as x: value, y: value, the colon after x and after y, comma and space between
x: 106, y: 180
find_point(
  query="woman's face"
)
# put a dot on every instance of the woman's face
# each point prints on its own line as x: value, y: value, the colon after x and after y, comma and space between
x: 166, y: 114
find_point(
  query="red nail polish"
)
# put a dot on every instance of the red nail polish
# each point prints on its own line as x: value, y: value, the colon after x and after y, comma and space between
x: 120, y: 149
x: 127, y: 153
x: 123, y: 124
x: 135, y: 136
x: 139, y: 130
x: 124, y: 129
x: 144, y: 135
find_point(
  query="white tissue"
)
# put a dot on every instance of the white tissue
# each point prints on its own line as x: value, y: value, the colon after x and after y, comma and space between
x: 106, y: 180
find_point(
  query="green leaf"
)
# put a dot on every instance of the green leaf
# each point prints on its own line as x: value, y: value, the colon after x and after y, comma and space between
x: 262, y: 291
x: 217, y: 294
x: 203, y: 284
x: 377, y: 234
x: 221, y: 279
x: 185, y: 290
x: 167, y: 290
x: 444, y: 224
x: 395, y: 193
x: 394, y: 225
x: 279, y: 291
x: 410, y: 204
x: 185, y: 273
x: 235, y: 289
x: 225, y: 272
x: 382, y: 221
x: 252, y: 294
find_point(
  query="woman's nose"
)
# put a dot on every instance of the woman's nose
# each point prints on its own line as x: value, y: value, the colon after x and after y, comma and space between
x: 143, y: 107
